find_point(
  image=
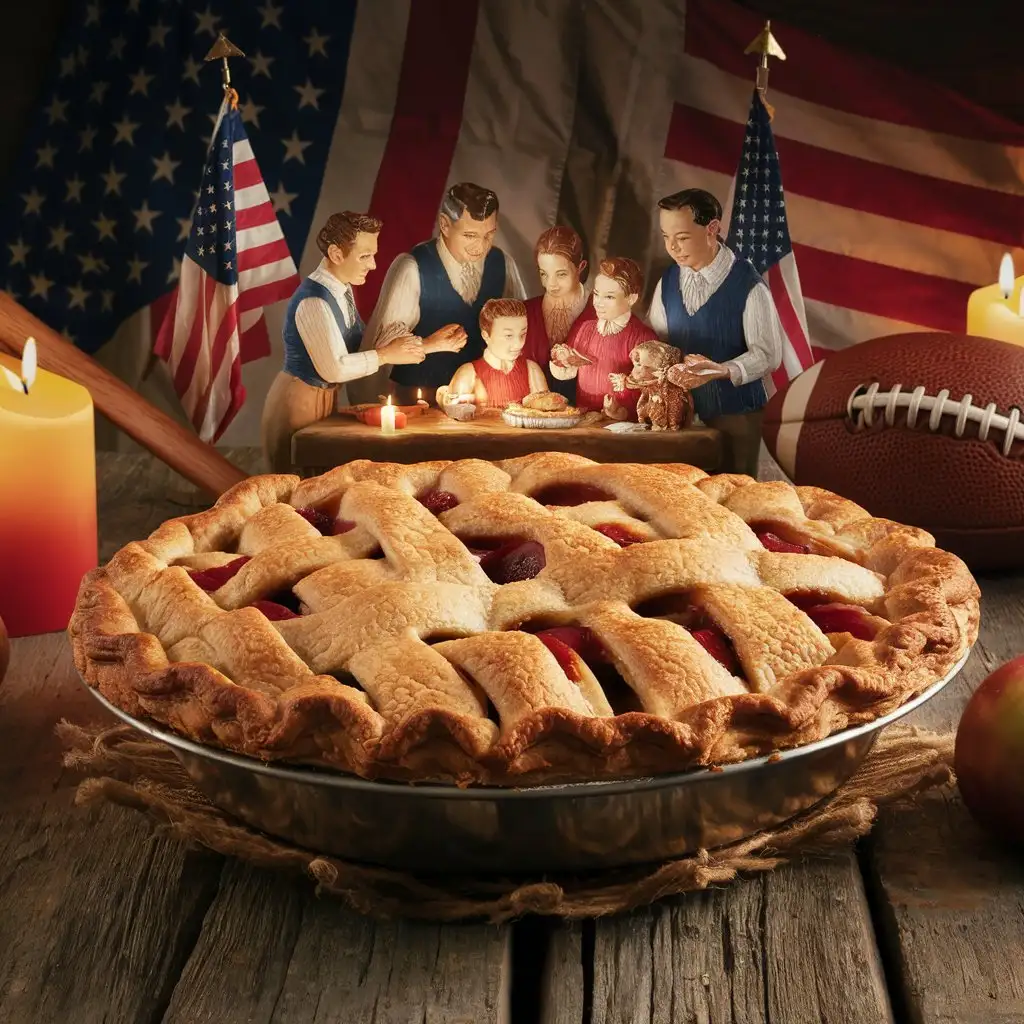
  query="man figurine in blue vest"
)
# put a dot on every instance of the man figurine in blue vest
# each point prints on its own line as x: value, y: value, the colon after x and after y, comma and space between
x: 322, y: 334
x: 436, y: 293
x: 718, y: 310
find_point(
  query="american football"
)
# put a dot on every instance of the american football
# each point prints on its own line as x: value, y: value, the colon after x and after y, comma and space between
x: 923, y: 428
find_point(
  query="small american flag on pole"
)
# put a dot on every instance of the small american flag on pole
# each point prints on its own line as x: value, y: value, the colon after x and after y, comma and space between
x: 759, y: 232
x: 236, y: 262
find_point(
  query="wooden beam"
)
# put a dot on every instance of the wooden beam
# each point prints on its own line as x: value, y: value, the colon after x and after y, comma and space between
x: 197, y: 462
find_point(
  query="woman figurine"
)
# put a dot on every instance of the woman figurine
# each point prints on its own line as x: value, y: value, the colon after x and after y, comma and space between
x: 597, y: 348
x: 322, y: 332
x: 551, y: 317
x: 503, y: 374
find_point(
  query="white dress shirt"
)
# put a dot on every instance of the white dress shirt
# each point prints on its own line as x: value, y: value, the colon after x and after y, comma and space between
x: 761, y: 326
x: 398, y: 308
x: 322, y: 336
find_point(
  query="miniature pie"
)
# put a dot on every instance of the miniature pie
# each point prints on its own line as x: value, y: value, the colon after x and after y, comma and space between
x: 542, y: 619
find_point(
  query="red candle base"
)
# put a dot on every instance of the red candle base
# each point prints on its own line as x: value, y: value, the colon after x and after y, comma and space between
x: 43, y: 566
x: 371, y: 417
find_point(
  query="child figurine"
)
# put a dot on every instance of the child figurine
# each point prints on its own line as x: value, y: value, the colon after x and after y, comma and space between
x: 503, y: 374
x: 601, y: 347
x: 552, y: 316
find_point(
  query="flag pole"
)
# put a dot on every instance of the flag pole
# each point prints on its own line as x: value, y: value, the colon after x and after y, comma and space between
x: 765, y: 46
x: 221, y: 50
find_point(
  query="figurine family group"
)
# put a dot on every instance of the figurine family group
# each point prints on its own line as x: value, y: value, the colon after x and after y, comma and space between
x: 453, y: 324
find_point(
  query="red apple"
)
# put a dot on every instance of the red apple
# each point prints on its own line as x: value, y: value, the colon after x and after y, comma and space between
x: 5, y: 650
x: 989, y: 756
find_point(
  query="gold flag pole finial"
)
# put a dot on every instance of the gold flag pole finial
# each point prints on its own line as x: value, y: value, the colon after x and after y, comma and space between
x: 221, y: 50
x: 765, y: 46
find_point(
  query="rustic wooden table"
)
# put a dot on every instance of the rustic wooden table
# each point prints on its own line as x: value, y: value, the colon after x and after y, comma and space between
x: 339, y: 439
x: 102, y: 922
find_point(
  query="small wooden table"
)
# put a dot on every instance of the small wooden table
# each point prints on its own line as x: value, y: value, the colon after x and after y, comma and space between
x: 432, y: 435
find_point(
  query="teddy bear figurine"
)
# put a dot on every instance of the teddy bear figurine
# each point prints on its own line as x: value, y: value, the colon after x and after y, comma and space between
x: 662, y: 404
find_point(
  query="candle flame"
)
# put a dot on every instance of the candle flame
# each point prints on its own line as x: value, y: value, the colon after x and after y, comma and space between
x: 389, y: 400
x: 29, y: 363
x: 1006, y: 273
x: 419, y: 394
x: 14, y: 380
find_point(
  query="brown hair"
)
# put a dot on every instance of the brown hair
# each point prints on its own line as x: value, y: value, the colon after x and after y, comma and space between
x: 493, y: 308
x: 703, y: 206
x: 465, y: 197
x: 562, y: 241
x: 626, y: 273
x: 341, y: 230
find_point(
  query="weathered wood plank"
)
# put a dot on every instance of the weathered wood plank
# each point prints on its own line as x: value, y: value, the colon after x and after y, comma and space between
x: 96, y: 916
x: 565, y: 981
x: 950, y: 901
x: 793, y: 946
x: 271, y: 952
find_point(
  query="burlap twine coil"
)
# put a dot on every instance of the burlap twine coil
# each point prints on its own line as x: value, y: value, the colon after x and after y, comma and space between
x: 128, y: 769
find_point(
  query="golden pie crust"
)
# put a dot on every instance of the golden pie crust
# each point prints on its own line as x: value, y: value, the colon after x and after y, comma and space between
x: 409, y: 663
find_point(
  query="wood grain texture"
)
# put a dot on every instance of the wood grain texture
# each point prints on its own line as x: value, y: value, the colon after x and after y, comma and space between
x: 96, y: 915
x: 168, y: 440
x: 566, y: 978
x: 949, y: 899
x: 271, y: 952
x: 340, y: 439
x: 793, y: 946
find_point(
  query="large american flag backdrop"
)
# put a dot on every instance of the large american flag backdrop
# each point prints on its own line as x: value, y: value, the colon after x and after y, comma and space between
x: 900, y: 197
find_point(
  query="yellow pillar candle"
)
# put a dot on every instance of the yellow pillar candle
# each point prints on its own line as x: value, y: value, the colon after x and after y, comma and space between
x: 47, y: 496
x: 997, y: 310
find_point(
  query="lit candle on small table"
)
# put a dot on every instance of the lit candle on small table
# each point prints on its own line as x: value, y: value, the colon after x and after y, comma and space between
x: 997, y: 310
x: 420, y: 400
x: 387, y: 418
x: 48, y: 536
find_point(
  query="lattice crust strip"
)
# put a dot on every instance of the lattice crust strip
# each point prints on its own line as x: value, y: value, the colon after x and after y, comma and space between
x: 696, y: 601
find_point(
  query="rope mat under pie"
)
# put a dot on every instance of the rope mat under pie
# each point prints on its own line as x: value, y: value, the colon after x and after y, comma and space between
x: 131, y: 770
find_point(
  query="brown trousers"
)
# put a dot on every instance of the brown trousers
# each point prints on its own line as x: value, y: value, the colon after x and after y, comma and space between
x: 291, y: 405
x: 741, y: 441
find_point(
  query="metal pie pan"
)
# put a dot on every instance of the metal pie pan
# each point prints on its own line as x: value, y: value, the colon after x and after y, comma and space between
x: 442, y: 829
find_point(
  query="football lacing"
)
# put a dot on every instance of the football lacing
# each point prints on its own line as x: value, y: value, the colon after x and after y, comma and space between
x: 866, y: 400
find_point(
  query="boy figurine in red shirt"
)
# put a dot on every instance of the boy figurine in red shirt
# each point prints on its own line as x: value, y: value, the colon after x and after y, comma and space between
x: 605, y: 343
x: 503, y: 374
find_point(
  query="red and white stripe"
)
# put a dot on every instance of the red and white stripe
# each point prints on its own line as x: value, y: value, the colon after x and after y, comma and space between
x: 901, y: 197
x: 212, y: 327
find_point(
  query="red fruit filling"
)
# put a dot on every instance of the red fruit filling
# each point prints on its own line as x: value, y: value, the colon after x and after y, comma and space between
x: 842, y: 618
x: 562, y: 640
x: 564, y: 655
x: 622, y: 535
x: 215, y: 577
x: 514, y: 561
x: 570, y: 494
x: 327, y: 524
x: 717, y: 644
x: 773, y: 542
x: 274, y: 611
x: 835, y: 616
x: 437, y: 501
x: 574, y: 638
x: 680, y: 609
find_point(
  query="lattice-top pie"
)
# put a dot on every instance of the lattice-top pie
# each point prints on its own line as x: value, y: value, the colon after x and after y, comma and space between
x: 544, y: 618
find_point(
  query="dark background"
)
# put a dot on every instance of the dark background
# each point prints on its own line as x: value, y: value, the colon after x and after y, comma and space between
x: 973, y: 48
